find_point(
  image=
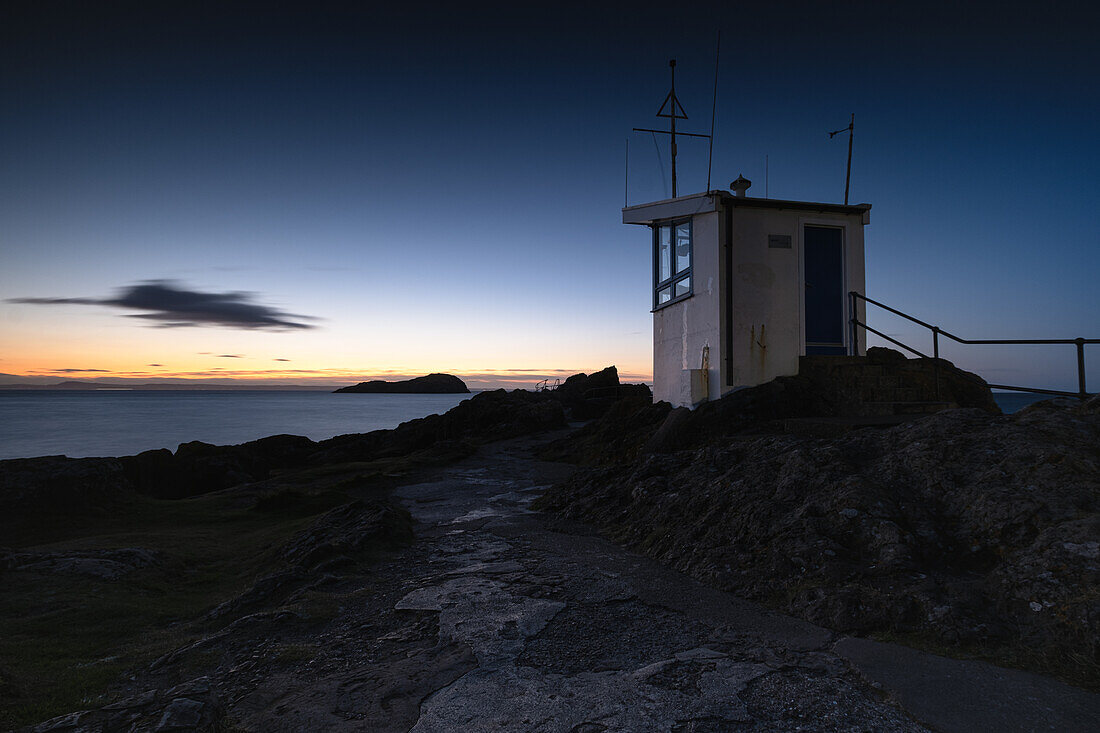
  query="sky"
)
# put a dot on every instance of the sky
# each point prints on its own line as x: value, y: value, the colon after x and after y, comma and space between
x: 326, y: 193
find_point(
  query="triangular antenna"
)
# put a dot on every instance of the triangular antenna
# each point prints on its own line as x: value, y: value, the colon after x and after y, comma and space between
x: 671, y: 102
x: 672, y: 110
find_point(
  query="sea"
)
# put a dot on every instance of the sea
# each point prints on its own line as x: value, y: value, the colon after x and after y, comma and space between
x: 82, y: 423
x: 79, y: 423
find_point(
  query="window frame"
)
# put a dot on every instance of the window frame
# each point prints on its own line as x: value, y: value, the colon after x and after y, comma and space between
x: 674, y: 277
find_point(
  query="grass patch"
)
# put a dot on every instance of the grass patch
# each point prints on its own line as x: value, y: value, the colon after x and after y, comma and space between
x: 66, y: 638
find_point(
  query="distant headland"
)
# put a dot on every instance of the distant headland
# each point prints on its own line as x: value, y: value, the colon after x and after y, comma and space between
x: 430, y: 384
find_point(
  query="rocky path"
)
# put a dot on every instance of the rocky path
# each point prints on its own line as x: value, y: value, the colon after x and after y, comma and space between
x: 502, y: 619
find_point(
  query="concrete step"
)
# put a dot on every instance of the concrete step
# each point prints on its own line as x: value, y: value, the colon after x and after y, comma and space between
x: 875, y: 389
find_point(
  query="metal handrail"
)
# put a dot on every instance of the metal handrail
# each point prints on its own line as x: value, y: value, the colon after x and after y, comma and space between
x: 855, y: 323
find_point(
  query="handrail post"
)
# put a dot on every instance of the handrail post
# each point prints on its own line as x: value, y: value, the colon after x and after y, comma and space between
x: 852, y: 322
x: 1081, y: 369
x: 936, y: 358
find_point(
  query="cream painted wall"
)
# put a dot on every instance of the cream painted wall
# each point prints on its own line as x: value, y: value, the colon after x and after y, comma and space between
x: 767, y: 287
x: 681, y: 330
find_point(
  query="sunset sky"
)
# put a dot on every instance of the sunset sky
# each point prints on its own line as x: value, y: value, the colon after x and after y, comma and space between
x: 329, y: 193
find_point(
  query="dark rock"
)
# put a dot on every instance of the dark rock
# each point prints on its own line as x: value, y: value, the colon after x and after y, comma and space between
x: 579, y: 385
x: 634, y: 426
x: 616, y: 437
x: 267, y: 591
x: 183, y: 713
x: 100, y: 564
x: 863, y: 385
x: 60, y: 486
x: 670, y: 432
x: 588, y: 396
x: 484, y: 417
x: 197, y: 467
x: 884, y: 355
x: 965, y: 527
x: 200, y: 710
x: 430, y: 384
x: 352, y: 530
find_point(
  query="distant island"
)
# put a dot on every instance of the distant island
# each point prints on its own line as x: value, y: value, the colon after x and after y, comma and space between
x: 430, y: 384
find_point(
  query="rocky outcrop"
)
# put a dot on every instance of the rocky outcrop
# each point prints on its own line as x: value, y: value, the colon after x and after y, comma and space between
x: 353, y: 531
x: 828, y: 387
x: 60, y: 486
x: 966, y: 528
x: 198, y: 467
x: 191, y: 706
x: 588, y: 396
x: 348, y: 532
x: 429, y: 384
x: 885, y: 382
x: 99, y: 564
x: 485, y: 416
x: 636, y: 426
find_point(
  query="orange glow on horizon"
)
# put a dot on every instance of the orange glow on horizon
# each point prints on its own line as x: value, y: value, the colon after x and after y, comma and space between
x: 47, y: 345
x: 476, y: 378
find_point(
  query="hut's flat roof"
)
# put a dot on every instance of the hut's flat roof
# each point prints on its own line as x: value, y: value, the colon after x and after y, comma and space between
x: 699, y: 203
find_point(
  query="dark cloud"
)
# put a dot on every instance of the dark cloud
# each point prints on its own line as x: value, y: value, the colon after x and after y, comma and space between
x: 171, y: 305
x: 69, y: 371
x: 281, y: 359
x: 230, y: 356
x: 159, y: 365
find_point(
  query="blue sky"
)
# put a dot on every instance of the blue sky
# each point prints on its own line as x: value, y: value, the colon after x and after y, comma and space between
x: 440, y: 186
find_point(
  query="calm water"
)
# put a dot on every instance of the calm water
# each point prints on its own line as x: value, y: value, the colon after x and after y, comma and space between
x: 1013, y: 401
x: 119, y: 423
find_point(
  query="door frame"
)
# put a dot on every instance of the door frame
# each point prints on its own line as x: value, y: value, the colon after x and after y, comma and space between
x: 843, y: 226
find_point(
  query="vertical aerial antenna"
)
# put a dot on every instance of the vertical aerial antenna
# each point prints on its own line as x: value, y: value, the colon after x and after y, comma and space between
x: 713, y: 108
x: 626, y: 176
x: 851, y: 130
x: 675, y: 112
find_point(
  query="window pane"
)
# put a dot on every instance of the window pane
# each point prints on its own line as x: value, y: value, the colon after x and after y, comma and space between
x: 683, y: 247
x: 664, y: 295
x: 664, y: 253
x: 683, y: 287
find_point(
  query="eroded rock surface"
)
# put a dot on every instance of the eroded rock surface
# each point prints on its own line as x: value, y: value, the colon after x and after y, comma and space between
x: 972, y: 530
x: 501, y: 618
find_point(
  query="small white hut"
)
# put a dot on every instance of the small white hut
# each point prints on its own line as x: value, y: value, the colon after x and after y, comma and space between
x: 742, y: 287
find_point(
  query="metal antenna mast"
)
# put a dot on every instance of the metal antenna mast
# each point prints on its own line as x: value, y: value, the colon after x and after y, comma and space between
x: 675, y: 112
x: 851, y: 130
x: 713, y: 107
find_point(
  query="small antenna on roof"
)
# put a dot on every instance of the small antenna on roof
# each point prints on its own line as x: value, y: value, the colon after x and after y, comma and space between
x: 675, y: 112
x: 851, y: 130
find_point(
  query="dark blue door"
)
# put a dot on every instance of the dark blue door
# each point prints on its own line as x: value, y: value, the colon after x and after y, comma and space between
x: 824, y: 298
